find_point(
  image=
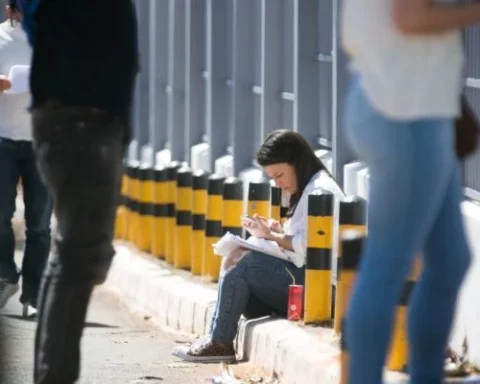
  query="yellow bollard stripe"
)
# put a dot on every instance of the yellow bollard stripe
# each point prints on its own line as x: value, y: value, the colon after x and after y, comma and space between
x: 199, y: 211
x: 184, y: 190
x: 318, y: 275
x: 232, y: 217
x: 213, y: 227
x: 159, y: 212
x: 121, y: 229
x: 146, y: 187
x: 145, y: 207
x: 183, y: 231
x: 232, y: 206
x: 134, y: 208
x: 259, y: 199
x: 171, y: 210
x: 215, y: 198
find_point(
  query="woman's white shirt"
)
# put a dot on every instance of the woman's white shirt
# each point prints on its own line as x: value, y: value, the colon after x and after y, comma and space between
x: 404, y: 77
x: 297, y: 225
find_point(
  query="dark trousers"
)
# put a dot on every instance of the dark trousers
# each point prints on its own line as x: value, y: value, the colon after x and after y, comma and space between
x: 79, y: 153
x: 17, y: 161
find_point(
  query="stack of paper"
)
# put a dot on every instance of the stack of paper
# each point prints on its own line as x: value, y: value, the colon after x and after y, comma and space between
x: 230, y: 242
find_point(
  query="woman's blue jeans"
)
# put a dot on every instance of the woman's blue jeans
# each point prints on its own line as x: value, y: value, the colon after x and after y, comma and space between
x: 414, y: 207
x: 257, y: 279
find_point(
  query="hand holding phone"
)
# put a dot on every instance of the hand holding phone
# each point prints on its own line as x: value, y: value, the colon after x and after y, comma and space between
x: 257, y: 226
x: 249, y: 222
x: 5, y: 83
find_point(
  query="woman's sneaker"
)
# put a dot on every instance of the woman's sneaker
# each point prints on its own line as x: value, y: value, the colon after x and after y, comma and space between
x: 206, y: 351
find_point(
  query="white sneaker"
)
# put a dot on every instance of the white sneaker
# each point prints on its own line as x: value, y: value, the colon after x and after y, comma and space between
x: 7, y: 290
x: 28, y: 311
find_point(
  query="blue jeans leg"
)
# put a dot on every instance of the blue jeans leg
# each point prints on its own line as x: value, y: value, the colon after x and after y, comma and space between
x: 9, y: 176
x: 414, y: 203
x: 256, y: 274
x: 38, y: 212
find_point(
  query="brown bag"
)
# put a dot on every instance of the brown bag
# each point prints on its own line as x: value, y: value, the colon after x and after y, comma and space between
x: 467, y: 130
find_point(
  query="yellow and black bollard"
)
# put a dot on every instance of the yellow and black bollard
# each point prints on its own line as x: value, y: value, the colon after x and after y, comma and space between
x: 398, y: 357
x: 352, y: 244
x: 183, y: 233
x: 134, y: 210
x: 352, y: 216
x: 122, y: 210
x: 171, y: 210
x: 145, y: 204
x: 199, y: 211
x: 127, y: 198
x: 275, y: 203
x: 318, y: 272
x: 258, y: 200
x: 160, y: 212
x: 214, y: 230
x: 233, y: 206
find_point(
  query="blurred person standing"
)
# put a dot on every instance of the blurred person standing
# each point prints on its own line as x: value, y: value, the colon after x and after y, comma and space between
x: 407, y: 60
x: 83, y: 69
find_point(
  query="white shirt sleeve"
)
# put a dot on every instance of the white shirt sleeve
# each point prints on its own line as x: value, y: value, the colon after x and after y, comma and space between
x: 297, y: 225
x: 299, y: 243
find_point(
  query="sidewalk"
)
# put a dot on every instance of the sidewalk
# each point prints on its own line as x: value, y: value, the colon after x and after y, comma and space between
x: 180, y: 302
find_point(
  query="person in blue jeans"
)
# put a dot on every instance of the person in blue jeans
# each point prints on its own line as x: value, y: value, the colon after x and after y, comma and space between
x: 256, y: 284
x: 18, y: 163
x: 405, y: 95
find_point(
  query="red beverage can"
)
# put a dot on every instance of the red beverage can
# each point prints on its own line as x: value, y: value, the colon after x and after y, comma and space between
x: 295, y: 302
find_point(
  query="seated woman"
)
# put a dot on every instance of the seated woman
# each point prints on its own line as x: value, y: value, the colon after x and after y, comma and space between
x: 258, y: 284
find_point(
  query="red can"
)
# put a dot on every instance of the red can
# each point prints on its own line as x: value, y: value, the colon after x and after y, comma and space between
x: 295, y: 302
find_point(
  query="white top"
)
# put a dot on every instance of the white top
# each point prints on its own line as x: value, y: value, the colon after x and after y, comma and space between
x: 15, y: 121
x: 404, y: 77
x: 297, y: 225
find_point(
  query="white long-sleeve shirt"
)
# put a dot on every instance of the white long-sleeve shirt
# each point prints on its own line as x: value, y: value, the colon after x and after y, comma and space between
x: 15, y: 121
x: 297, y: 225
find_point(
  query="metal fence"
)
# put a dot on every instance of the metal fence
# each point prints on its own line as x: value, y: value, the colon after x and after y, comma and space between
x: 228, y: 72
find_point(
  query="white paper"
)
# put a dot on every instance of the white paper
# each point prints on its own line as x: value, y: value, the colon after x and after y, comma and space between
x: 229, y: 242
x: 19, y: 77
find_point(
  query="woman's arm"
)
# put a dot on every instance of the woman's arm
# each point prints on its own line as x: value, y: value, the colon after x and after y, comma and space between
x: 261, y: 228
x: 284, y: 241
x: 414, y: 17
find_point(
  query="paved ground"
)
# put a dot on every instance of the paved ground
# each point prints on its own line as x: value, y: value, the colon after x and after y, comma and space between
x: 118, y: 347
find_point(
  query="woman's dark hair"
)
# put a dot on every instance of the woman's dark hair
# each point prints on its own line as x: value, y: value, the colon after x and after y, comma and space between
x: 284, y: 146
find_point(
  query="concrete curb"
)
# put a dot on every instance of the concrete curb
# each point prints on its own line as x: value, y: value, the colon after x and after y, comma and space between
x: 297, y: 354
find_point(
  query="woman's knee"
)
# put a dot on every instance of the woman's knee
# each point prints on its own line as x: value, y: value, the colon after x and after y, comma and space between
x: 253, y: 258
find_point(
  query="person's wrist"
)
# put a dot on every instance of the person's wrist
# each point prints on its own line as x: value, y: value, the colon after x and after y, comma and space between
x: 272, y: 236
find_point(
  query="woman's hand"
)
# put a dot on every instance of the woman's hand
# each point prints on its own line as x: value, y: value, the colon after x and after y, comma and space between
x: 232, y: 259
x: 5, y: 83
x: 420, y: 17
x: 258, y: 227
x: 275, y: 226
